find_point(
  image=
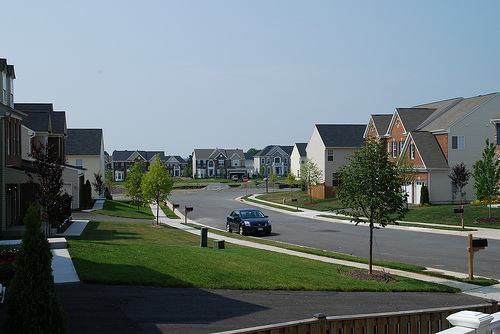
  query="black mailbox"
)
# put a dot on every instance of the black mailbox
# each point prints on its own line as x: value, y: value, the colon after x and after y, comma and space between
x: 479, y: 243
x: 175, y: 206
x: 458, y: 210
x: 188, y: 208
x: 294, y: 200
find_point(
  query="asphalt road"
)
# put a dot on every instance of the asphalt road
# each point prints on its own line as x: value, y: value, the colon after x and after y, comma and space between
x: 438, y: 251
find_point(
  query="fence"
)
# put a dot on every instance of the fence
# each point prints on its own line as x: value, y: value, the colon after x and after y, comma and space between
x: 320, y: 191
x: 415, y: 322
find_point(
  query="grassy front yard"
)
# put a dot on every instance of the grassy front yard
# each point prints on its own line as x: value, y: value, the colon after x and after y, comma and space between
x: 144, y: 254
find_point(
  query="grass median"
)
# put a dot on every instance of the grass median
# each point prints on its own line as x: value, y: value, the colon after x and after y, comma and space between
x: 146, y: 254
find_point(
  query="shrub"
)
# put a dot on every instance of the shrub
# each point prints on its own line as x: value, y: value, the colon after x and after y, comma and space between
x: 424, y: 196
x: 34, y: 305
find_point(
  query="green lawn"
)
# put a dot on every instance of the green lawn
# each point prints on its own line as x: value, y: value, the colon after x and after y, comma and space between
x: 125, y: 209
x: 144, y: 254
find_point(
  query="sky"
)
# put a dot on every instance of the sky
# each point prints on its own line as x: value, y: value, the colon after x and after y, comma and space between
x: 181, y: 75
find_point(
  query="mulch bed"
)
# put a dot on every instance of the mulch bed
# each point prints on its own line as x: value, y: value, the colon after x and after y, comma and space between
x: 488, y: 220
x: 376, y: 275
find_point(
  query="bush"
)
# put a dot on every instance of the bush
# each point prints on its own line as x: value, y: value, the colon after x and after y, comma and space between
x: 34, y: 306
x: 424, y: 196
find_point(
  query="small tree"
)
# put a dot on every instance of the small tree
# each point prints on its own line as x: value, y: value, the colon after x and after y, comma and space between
x: 272, y: 178
x: 291, y: 180
x: 34, y: 306
x: 371, y: 188
x: 133, y: 183
x: 311, y: 175
x: 49, y: 186
x: 487, y: 174
x: 459, y: 177
x: 108, y: 179
x: 424, y: 196
x: 98, y: 184
x: 157, y: 184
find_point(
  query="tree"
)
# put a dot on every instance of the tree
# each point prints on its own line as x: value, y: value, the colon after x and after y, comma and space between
x: 34, y: 306
x: 133, y: 183
x: 311, y: 175
x: 272, y: 178
x: 253, y: 150
x: 371, y: 188
x: 459, y: 177
x: 188, y: 169
x: 157, y: 184
x: 291, y: 180
x: 487, y: 174
x: 108, y: 180
x: 49, y: 186
x: 98, y: 184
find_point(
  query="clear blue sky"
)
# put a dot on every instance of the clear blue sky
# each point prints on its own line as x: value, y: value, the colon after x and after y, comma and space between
x: 179, y: 75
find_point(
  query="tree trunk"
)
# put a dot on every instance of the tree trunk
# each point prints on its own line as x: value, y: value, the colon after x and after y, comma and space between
x: 371, y: 250
x: 157, y: 212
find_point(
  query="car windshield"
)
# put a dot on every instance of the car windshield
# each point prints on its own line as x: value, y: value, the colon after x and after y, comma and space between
x: 251, y: 214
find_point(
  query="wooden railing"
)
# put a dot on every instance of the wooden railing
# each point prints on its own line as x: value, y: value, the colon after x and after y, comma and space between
x: 415, y: 322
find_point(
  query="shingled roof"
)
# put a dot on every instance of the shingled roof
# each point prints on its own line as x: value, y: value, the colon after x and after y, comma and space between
x: 84, y: 142
x: 342, y: 135
x: 41, y: 117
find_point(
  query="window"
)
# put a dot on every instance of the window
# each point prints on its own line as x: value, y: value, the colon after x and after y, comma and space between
x: 268, y: 160
x: 236, y: 163
x: 220, y: 163
x: 4, y: 88
x: 302, y: 161
x: 329, y: 154
x: 458, y: 142
x: 401, y: 144
x: 412, y: 151
x: 336, y: 179
x: 388, y: 147
x: 498, y: 133
x: 263, y: 160
x: 394, y: 149
x: 79, y: 162
x: 277, y: 160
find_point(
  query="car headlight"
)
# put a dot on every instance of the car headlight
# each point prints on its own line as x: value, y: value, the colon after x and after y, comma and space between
x: 268, y: 223
x: 246, y: 223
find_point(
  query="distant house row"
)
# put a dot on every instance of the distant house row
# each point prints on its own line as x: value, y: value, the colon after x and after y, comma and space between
x: 121, y: 161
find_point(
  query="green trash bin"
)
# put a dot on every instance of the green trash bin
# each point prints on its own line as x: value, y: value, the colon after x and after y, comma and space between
x: 203, y: 237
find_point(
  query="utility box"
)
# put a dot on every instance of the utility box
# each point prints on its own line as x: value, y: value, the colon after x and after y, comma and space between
x: 219, y: 244
x: 476, y: 243
x: 203, y: 237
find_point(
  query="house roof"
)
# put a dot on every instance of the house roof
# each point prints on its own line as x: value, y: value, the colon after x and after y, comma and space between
x: 131, y: 155
x: 41, y: 117
x: 270, y: 150
x: 301, y: 147
x: 84, y: 142
x: 174, y: 158
x: 4, y: 66
x: 381, y: 123
x: 210, y: 153
x: 341, y: 135
x: 429, y: 149
x: 410, y: 118
x: 454, y: 112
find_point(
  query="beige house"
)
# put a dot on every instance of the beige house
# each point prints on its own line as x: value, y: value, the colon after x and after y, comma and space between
x: 298, y: 158
x: 85, y: 149
x: 330, y: 145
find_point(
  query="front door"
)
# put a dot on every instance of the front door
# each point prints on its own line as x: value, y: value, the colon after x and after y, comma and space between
x: 417, y: 190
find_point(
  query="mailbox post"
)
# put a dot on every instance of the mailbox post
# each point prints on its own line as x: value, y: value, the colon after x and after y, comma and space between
x: 474, y: 246
x: 174, y: 206
x: 186, y: 210
x: 460, y: 211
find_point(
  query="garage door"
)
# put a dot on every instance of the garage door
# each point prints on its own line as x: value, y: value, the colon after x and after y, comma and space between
x: 418, y: 188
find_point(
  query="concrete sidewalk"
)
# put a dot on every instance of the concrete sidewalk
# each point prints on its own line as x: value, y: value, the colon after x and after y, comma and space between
x: 490, y: 292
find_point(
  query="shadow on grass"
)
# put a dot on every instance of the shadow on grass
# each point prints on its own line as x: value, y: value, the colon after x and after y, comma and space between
x: 92, y: 233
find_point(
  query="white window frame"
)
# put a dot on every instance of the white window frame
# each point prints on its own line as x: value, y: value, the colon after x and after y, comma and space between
x: 412, y: 151
x: 394, y: 149
x: 330, y: 155
x: 79, y: 162
x: 458, y: 142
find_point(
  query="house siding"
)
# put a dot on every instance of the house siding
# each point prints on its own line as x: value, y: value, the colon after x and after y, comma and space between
x: 316, y: 151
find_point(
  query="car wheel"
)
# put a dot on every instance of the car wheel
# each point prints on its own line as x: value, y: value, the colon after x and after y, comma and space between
x: 240, y: 230
x: 228, y: 228
x: 268, y: 232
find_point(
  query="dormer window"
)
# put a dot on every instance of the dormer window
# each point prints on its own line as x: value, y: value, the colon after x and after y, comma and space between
x: 11, y: 89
